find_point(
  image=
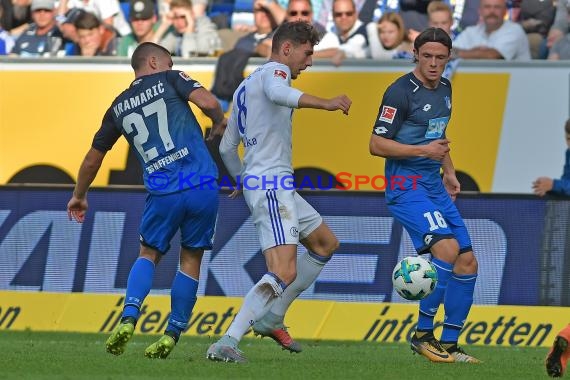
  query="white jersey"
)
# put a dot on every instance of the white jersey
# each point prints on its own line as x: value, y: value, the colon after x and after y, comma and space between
x: 261, y: 118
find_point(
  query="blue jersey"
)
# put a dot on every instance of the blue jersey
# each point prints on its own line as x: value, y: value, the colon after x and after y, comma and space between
x: 154, y: 116
x: 414, y: 115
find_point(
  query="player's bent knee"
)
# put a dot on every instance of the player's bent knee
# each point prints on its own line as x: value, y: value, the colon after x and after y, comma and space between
x: 328, y: 248
x: 466, y: 263
x: 324, y: 247
x: 445, y: 249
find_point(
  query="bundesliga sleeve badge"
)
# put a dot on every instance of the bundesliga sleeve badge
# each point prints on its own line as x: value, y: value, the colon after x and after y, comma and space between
x: 184, y: 76
x: 280, y: 73
x: 388, y: 114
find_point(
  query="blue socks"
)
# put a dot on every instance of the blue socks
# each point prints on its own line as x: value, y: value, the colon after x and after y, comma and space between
x: 183, y: 296
x: 138, y: 287
x: 430, y: 304
x: 458, y: 301
x: 456, y: 292
x: 182, y: 301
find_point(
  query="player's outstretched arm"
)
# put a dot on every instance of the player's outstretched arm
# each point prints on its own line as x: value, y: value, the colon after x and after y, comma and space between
x: 341, y: 102
x: 77, y: 205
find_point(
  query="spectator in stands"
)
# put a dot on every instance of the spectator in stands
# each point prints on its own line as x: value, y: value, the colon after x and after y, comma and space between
x: 94, y: 37
x: 302, y: 10
x: 324, y: 12
x: 560, y: 50
x: 440, y: 15
x: 387, y: 37
x: 351, y: 33
x: 258, y: 43
x: 494, y: 37
x: 414, y: 14
x: 143, y: 21
x: 108, y: 11
x: 185, y: 35
x: 536, y: 18
x: 558, y: 40
x: 16, y: 16
x: 199, y: 7
x: 43, y: 37
x: 231, y: 64
x: 6, y: 40
x: 546, y: 185
x: 561, y: 24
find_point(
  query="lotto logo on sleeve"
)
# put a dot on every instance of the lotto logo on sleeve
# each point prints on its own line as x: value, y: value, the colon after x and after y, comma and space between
x: 280, y: 73
x: 388, y: 114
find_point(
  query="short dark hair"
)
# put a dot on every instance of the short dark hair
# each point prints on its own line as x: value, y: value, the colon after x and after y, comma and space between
x: 432, y: 35
x: 567, y: 126
x: 86, y: 21
x: 141, y: 53
x: 298, y: 32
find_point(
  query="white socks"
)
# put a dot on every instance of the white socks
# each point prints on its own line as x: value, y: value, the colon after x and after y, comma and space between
x: 256, y: 304
x: 309, y: 265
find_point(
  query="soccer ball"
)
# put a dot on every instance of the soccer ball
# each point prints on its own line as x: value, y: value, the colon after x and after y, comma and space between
x: 414, y: 278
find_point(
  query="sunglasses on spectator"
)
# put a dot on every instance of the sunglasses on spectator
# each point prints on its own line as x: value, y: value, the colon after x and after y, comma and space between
x: 340, y: 14
x: 297, y: 13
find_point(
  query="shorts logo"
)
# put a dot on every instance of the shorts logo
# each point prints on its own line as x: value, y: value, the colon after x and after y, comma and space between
x: 294, y: 231
x: 388, y: 114
x: 280, y: 73
x: 428, y: 239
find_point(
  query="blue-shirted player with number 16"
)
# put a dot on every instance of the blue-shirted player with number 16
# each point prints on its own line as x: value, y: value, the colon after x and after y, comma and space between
x: 154, y: 116
x: 410, y: 132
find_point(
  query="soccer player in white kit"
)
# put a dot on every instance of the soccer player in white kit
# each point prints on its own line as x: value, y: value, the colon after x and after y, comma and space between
x: 261, y: 119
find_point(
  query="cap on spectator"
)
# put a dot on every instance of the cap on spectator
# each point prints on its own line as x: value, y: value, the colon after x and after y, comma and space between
x: 141, y: 9
x: 42, y: 4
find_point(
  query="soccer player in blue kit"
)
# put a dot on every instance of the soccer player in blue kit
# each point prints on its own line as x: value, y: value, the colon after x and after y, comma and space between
x: 410, y: 132
x: 180, y: 176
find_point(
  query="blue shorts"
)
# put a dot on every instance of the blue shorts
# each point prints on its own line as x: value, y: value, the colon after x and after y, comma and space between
x: 193, y: 211
x: 431, y: 219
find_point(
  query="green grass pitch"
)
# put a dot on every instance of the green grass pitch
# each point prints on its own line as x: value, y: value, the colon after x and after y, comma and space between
x: 43, y: 355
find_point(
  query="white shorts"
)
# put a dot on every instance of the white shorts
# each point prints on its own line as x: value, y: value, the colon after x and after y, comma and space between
x: 281, y: 216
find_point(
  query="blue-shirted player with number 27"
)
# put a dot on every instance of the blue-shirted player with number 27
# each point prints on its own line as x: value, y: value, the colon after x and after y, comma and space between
x: 410, y: 132
x: 154, y: 116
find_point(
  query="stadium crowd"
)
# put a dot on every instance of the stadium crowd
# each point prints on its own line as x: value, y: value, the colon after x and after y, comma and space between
x: 361, y: 29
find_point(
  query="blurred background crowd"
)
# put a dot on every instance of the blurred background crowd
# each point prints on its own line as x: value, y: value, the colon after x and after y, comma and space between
x: 360, y: 29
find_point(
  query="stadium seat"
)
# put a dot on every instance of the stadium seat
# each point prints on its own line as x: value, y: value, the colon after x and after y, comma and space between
x: 243, y: 6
